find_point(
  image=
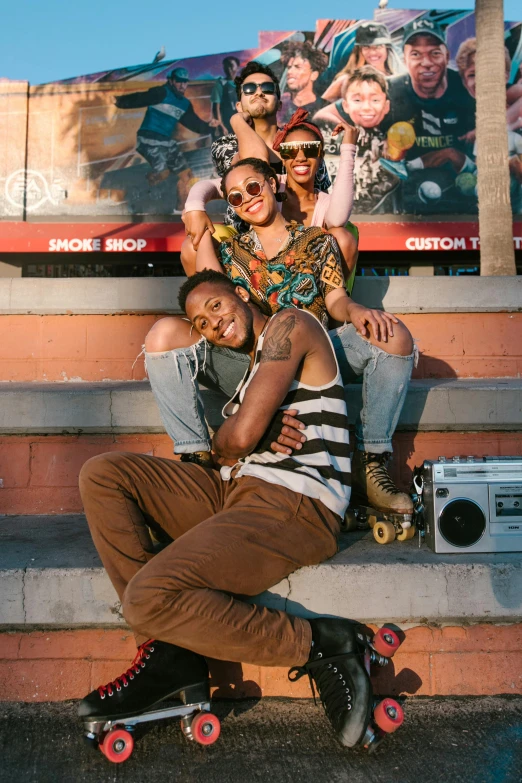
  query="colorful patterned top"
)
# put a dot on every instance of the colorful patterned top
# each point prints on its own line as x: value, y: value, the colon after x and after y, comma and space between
x: 305, y: 270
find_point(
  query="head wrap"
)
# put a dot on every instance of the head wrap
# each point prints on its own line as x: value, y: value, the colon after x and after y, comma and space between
x: 297, y: 118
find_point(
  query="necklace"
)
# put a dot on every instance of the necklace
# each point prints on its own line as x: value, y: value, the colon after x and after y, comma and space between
x: 281, y: 239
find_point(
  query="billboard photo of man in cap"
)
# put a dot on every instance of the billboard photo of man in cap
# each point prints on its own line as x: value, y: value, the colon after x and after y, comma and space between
x: 166, y: 107
x: 373, y: 46
x: 430, y: 113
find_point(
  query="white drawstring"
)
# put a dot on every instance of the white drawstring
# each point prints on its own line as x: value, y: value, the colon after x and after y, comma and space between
x: 415, y: 352
x: 142, y: 352
x: 196, y: 362
x: 194, y: 349
x: 176, y: 365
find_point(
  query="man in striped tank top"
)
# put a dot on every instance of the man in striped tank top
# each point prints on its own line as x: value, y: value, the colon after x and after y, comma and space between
x: 236, y: 531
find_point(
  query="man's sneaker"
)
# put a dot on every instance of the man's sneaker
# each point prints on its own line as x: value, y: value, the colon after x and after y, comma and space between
x: 373, y: 486
x: 159, y: 671
x: 202, y: 458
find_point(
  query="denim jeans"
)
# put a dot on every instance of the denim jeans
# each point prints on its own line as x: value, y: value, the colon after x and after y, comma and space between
x: 175, y: 377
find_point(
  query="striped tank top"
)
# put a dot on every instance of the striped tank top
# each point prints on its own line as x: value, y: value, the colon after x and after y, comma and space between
x: 321, y: 469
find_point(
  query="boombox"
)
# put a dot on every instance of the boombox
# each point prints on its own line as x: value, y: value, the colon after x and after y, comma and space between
x: 472, y: 504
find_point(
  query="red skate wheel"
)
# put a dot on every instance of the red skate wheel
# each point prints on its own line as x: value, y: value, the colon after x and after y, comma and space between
x: 388, y: 715
x: 117, y: 745
x: 386, y: 642
x: 205, y: 728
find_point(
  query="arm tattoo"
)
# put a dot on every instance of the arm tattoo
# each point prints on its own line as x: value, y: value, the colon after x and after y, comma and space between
x: 278, y: 346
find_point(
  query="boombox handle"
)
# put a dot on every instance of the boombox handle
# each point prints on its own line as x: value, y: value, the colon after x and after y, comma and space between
x: 417, y: 490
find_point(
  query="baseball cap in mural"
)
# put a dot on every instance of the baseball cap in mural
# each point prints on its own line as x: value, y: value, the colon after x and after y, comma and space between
x: 179, y: 75
x: 371, y: 34
x: 423, y: 27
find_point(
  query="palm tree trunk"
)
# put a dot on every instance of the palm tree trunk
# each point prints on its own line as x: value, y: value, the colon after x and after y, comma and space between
x: 497, y: 255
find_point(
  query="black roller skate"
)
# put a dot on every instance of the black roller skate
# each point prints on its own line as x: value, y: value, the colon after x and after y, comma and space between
x: 160, y: 672
x: 376, y: 501
x: 339, y: 665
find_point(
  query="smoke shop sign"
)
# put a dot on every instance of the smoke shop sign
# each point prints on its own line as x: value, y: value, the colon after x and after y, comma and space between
x: 97, y: 245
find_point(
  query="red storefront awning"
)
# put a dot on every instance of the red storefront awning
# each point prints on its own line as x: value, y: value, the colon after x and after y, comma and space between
x: 22, y: 237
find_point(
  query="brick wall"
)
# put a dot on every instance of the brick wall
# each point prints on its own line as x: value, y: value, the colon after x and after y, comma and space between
x: 477, y: 660
x: 104, y: 347
x: 40, y: 472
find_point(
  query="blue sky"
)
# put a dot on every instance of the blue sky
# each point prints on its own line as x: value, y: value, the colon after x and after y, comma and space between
x: 44, y: 40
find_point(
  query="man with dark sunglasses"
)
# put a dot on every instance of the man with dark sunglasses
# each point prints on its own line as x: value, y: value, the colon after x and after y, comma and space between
x: 259, y: 98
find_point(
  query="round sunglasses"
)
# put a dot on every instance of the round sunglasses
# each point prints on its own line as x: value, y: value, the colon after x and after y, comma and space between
x: 249, y: 88
x: 290, y: 149
x: 252, y: 188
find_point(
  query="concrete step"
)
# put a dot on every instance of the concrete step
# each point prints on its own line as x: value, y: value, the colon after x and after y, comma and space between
x: 51, y: 576
x: 441, y: 405
x: 62, y: 633
x: 47, y: 431
x: 65, y: 296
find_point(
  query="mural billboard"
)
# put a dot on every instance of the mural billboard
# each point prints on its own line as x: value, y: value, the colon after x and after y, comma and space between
x: 130, y: 142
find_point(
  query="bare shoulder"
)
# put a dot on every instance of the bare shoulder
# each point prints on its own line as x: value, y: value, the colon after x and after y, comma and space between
x: 294, y: 319
x: 291, y: 332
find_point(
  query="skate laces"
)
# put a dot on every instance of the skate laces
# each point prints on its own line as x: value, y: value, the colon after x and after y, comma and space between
x: 334, y: 691
x: 135, y: 668
x: 378, y: 472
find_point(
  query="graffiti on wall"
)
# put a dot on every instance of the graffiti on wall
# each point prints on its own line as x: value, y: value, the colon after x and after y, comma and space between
x: 132, y: 141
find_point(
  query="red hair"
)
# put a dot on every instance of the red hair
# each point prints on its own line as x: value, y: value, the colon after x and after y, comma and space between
x: 296, y: 121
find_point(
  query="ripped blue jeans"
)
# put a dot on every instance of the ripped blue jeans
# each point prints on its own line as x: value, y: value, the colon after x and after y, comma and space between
x: 175, y: 377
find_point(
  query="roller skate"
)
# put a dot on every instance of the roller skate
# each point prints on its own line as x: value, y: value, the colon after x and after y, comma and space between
x: 160, y: 672
x: 339, y: 666
x: 376, y: 501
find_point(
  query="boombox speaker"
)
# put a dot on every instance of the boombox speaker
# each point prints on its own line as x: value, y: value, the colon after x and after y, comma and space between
x: 473, y: 504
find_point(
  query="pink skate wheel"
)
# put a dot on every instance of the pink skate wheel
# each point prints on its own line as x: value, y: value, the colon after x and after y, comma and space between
x: 117, y: 745
x: 388, y: 715
x: 205, y: 728
x: 386, y: 642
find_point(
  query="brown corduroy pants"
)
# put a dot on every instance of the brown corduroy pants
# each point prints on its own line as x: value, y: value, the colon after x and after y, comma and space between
x: 230, y: 539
